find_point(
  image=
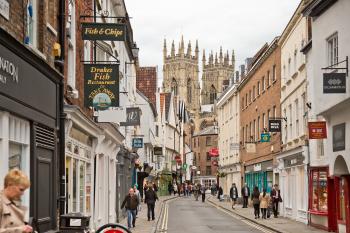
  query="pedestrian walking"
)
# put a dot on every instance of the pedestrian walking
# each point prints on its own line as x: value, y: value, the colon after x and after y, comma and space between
x: 245, y: 194
x: 190, y: 189
x: 220, y: 193
x: 256, y: 202
x: 196, y: 191
x: 179, y: 189
x: 150, y: 199
x: 203, y: 189
x: 130, y: 203
x: 138, y: 195
x: 233, y: 195
x: 276, y: 198
x: 170, y: 188
x: 175, y: 188
x: 186, y: 190
x: 264, y: 202
x: 11, y: 212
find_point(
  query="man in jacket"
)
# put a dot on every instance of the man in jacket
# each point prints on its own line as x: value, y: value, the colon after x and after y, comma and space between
x: 276, y: 198
x: 131, y: 203
x: 150, y: 200
x: 203, y: 189
x: 245, y: 194
x: 233, y: 195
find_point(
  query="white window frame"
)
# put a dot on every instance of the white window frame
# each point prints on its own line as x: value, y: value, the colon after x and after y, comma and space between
x: 32, y: 24
x: 332, y: 49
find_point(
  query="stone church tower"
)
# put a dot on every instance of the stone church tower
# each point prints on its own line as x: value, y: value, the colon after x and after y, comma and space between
x: 216, y: 75
x: 180, y: 74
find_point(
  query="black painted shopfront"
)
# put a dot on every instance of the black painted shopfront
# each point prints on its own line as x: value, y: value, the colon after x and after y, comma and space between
x: 30, y: 94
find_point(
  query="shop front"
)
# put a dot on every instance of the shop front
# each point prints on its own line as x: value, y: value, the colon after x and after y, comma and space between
x: 260, y: 175
x: 293, y: 183
x: 29, y: 126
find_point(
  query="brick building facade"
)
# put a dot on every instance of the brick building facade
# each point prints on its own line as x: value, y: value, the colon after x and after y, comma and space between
x: 259, y: 93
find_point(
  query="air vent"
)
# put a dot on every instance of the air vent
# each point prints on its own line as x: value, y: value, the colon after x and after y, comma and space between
x: 45, y: 137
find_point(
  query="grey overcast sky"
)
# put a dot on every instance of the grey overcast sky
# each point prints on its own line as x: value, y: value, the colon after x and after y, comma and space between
x: 240, y: 25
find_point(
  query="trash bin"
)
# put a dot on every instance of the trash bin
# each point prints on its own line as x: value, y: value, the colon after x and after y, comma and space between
x: 74, y: 222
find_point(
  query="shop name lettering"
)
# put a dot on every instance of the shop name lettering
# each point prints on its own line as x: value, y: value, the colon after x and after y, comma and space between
x: 9, y: 68
x: 102, y: 90
x: 104, y: 31
x: 101, y: 76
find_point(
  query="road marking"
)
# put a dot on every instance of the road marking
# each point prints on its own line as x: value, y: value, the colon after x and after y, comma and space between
x: 165, y: 219
x: 248, y: 222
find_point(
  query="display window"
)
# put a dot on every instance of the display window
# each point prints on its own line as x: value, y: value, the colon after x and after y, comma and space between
x: 342, y: 202
x: 78, y: 177
x: 319, y: 199
x: 14, y: 148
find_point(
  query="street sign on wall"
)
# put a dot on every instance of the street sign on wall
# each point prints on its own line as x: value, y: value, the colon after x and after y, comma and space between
x: 158, y: 150
x: 101, y: 89
x: 317, y: 130
x: 103, y: 31
x: 334, y: 83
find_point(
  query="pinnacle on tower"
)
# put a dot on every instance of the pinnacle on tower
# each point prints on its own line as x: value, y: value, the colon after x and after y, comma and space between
x: 211, y: 59
x: 164, y: 50
x: 203, y: 59
x: 220, y: 55
x: 233, y: 58
x: 197, y: 50
x: 173, y: 49
x: 189, y: 49
x: 216, y: 58
x: 182, y: 46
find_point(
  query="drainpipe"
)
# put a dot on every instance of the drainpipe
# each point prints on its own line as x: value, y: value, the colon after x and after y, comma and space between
x: 62, y: 177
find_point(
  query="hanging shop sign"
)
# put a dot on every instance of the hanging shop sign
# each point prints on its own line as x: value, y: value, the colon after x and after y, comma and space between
x: 132, y: 117
x: 158, y: 150
x: 137, y: 142
x: 103, y: 31
x: 334, y: 83
x: 265, y: 137
x: 274, y: 125
x: 339, y: 137
x: 101, y: 89
x: 214, y: 152
x: 317, y: 130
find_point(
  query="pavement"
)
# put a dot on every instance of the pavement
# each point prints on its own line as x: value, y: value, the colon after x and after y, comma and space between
x: 142, y: 223
x: 190, y: 216
x: 280, y: 224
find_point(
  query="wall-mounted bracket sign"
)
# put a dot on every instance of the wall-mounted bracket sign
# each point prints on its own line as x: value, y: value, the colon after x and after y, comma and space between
x: 132, y: 117
x: 274, y: 125
x: 265, y: 137
x: 103, y: 31
x: 317, y: 130
x: 334, y: 83
x: 101, y: 89
x: 137, y: 142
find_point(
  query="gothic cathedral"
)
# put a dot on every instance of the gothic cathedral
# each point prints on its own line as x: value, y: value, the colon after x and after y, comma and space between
x: 180, y: 74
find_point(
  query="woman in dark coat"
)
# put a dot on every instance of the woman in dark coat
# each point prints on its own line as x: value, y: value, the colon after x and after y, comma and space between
x: 221, y: 192
x: 256, y: 202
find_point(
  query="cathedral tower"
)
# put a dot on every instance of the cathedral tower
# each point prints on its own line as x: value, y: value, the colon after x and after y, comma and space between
x: 180, y: 73
x: 216, y: 75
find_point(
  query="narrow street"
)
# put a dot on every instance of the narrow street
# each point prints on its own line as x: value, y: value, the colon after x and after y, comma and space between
x: 188, y: 215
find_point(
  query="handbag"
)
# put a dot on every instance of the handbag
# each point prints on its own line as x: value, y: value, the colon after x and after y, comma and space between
x: 279, y: 199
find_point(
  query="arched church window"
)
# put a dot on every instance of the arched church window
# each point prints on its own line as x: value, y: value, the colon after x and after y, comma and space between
x: 174, y: 86
x: 189, y: 91
x: 212, y: 94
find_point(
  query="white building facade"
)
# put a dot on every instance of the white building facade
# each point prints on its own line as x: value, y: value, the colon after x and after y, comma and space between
x: 293, y: 159
x: 228, y: 138
x: 329, y: 158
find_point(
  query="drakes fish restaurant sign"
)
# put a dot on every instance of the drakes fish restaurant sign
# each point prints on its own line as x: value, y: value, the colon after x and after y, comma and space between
x: 103, y: 31
x: 101, y: 85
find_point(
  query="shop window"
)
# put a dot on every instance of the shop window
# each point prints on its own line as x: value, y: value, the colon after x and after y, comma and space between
x: 208, y: 170
x: 208, y: 156
x: 208, y: 141
x: 319, y: 190
x: 342, y: 206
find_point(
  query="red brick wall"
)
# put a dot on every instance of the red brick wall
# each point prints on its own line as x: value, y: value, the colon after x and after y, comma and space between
x: 146, y: 82
x: 200, y: 151
x: 16, y: 25
x: 266, y: 100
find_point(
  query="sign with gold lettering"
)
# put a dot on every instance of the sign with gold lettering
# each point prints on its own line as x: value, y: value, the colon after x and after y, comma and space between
x: 101, y: 89
x: 103, y: 31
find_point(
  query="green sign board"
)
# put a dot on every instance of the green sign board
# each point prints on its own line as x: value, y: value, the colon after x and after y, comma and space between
x: 265, y: 137
x: 101, y: 89
x: 184, y: 166
x: 103, y: 31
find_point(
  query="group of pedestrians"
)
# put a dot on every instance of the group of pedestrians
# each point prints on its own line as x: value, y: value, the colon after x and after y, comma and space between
x: 262, y: 201
x: 132, y: 203
x: 185, y: 189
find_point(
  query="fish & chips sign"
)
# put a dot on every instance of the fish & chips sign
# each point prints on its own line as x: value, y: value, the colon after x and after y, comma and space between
x: 103, y: 31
